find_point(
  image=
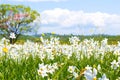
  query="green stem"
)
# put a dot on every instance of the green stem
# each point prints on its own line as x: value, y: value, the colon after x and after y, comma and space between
x: 57, y: 74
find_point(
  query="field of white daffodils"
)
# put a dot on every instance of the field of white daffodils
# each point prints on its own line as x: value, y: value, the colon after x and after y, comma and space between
x: 50, y: 60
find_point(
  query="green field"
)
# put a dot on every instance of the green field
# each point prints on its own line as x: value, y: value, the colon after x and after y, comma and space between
x: 56, y: 57
x: 64, y: 38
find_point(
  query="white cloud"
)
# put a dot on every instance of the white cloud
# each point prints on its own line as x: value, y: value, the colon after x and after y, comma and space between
x: 66, y: 22
x: 66, y: 18
x: 39, y: 0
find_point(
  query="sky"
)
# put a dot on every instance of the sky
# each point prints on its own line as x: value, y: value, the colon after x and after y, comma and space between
x: 79, y: 17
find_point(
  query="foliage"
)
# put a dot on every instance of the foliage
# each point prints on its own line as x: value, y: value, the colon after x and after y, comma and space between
x: 52, y: 60
x: 16, y: 19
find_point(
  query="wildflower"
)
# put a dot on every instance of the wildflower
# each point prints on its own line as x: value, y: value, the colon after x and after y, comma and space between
x: 104, y: 42
x: 42, y: 73
x: 71, y: 69
x: 90, y: 74
x: 55, y: 66
x: 5, y: 50
x: 88, y: 67
x: 75, y: 74
x: 74, y: 40
x: 99, y: 67
x: 114, y: 64
x: 103, y: 77
x: 45, y: 70
x: 43, y: 34
x: 94, y: 78
x: 119, y: 60
x: 42, y: 40
x: 12, y: 35
x: 42, y: 70
x: 50, y: 69
x: 52, y: 32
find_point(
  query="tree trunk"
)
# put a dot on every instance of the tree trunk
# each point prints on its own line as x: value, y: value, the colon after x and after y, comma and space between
x: 11, y: 41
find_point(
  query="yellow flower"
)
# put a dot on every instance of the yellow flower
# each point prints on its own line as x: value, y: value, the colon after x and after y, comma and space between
x: 94, y: 78
x: 52, y: 32
x: 5, y: 50
x: 43, y: 34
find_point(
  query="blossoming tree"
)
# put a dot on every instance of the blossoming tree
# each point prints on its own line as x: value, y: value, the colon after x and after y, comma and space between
x: 15, y: 20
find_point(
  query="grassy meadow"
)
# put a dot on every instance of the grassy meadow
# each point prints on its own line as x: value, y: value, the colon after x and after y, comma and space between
x: 60, y: 57
x: 112, y: 39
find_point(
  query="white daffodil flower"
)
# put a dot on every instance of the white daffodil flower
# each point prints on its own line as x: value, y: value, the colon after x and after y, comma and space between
x: 42, y: 71
x: 90, y: 74
x: 99, y: 67
x: 12, y: 35
x: 114, y: 64
x: 75, y: 74
x: 71, y: 69
x: 119, y: 60
x: 103, y: 77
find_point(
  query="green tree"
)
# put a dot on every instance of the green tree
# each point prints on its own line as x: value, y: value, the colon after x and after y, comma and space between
x: 16, y: 19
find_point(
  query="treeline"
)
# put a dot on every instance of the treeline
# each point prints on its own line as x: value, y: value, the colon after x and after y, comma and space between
x: 64, y: 39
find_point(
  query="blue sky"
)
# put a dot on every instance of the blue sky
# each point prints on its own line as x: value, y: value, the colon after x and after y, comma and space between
x: 75, y: 16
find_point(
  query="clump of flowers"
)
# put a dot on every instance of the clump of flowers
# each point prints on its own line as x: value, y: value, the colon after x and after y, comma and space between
x: 45, y: 70
x: 91, y: 74
x: 72, y: 69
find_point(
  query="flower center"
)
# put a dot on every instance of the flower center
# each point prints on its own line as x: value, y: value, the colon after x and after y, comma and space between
x: 5, y: 50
